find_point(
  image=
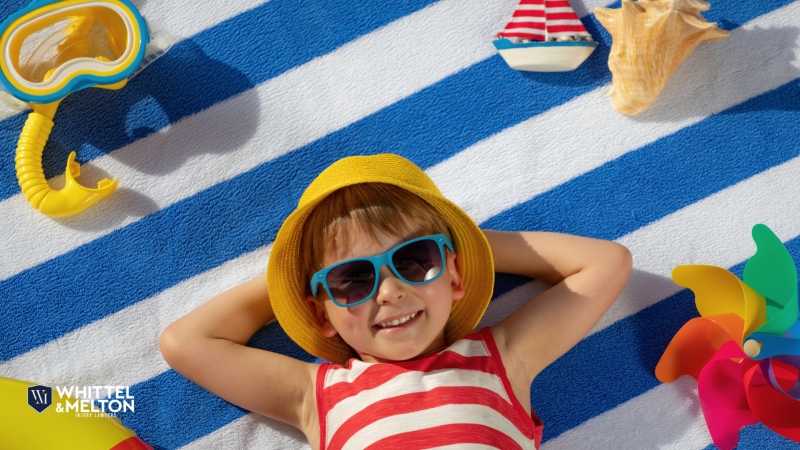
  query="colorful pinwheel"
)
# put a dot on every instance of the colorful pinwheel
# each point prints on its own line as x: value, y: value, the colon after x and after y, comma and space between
x: 744, y: 350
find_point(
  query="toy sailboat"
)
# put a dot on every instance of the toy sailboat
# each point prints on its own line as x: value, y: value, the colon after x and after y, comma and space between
x: 544, y: 36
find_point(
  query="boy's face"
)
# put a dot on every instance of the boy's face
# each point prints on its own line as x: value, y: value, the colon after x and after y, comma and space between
x: 427, y: 305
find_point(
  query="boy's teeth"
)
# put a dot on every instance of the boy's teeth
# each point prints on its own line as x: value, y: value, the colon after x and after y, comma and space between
x: 394, y: 323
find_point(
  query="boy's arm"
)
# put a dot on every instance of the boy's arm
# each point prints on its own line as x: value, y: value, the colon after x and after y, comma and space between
x: 207, y: 346
x: 586, y: 275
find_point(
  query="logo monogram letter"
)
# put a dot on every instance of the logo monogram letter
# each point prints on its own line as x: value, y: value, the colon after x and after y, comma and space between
x: 40, y: 397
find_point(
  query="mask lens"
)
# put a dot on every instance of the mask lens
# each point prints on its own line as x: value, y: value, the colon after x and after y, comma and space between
x: 81, y: 37
x: 351, y: 282
x: 418, y: 261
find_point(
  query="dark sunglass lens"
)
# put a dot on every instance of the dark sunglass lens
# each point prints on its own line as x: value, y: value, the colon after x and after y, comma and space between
x: 418, y: 261
x: 351, y: 282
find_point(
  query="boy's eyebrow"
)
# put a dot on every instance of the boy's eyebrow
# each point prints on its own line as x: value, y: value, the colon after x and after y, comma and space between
x: 407, y: 237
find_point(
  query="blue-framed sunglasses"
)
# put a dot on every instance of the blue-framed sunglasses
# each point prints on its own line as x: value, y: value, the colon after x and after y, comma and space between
x: 354, y: 281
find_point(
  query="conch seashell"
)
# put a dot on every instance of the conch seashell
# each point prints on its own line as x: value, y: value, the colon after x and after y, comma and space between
x: 650, y: 39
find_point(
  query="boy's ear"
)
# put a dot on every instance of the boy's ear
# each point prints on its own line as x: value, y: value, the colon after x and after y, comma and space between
x: 320, y: 316
x: 456, y: 281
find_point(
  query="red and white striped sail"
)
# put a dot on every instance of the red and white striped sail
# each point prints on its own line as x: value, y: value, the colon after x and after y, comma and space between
x: 540, y: 20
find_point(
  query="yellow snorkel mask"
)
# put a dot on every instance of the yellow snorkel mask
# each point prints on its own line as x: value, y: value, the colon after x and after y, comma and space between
x: 53, y: 48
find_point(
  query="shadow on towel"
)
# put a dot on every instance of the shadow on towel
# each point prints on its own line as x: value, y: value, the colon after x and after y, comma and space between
x: 701, y: 85
x: 163, y: 149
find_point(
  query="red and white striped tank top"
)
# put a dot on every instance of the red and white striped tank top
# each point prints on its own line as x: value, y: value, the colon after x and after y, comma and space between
x: 460, y: 397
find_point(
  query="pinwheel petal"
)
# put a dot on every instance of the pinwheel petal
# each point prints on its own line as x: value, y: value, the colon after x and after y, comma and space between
x: 723, y: 397
x: 795, y: 329
x: 694, y: 345
x: 783, y: 374
x: 775, y: 345
x: 717, y: 291
x: 776, y: 411
x: 772, y: 273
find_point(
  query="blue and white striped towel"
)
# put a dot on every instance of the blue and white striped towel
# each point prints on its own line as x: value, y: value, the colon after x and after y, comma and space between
x: 214, y: 143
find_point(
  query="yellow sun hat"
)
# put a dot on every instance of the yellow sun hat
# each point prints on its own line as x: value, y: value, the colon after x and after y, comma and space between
x: 287, y: 291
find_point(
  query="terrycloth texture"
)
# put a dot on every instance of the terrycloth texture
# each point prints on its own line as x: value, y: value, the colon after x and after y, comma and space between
x: 214, y: 143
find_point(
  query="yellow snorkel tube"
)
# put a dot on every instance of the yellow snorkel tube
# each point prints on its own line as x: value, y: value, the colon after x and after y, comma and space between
x: 53, y: 48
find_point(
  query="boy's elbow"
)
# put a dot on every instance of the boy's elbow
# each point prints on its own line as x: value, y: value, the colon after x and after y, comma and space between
x: 626, y: 259
x: 621, y: 260
x: 169, y: 343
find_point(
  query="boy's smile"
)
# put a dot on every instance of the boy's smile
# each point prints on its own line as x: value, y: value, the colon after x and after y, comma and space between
x: 393, y: 323
x: 401, y: 321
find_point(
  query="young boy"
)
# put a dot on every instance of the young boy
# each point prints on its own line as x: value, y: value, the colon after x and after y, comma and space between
x: 382, y: 276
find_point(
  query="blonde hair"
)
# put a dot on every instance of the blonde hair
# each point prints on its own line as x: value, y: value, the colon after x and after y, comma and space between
x: 370, y: 207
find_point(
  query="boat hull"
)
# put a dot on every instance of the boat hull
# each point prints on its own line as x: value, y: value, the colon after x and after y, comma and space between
x: 545, y: 56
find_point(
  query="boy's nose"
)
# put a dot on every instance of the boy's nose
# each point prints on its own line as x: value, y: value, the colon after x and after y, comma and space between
x: 390, y: 287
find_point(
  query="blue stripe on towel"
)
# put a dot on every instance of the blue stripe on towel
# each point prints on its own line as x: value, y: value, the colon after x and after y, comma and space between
x: 645, y: 185
x: 9, y: 7
x: 197, y: 73
x: 172, y: 411
x: 759, y: 437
